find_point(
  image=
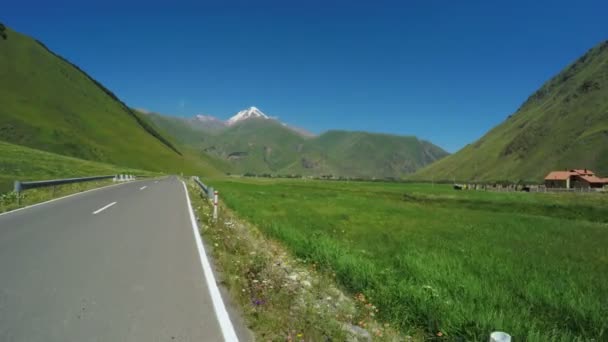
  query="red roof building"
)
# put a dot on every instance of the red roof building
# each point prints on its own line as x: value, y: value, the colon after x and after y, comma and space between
x: 575, y: 178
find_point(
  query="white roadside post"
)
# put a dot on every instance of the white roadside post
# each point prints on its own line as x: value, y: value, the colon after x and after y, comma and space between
x: 499, y: 336
x: 215, y: 202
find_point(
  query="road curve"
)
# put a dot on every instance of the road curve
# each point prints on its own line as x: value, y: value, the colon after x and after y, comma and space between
x: 116, y: 264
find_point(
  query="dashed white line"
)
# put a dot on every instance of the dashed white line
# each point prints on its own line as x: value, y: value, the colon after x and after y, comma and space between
x: 103, y: 208
x: 59, y: 199
x: 155, y: 182
x: 143, y: 187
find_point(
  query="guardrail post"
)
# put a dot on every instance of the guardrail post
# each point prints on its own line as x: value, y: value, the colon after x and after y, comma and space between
x: 499, y: 336
x: 17, y: 189
x: 215, y: 202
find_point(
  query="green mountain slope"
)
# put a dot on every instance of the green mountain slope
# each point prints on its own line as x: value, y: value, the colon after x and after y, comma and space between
x: 267, y: 146
x: 363, y: 154
x: 562, y: 125
x: 256, y: 145
x: 50, y: 104
x: 184, y: 131
x: 24, y: 163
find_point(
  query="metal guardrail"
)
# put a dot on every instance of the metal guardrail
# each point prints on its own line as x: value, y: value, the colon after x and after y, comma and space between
x: 21, y: 186
x: 206, y: 189
x: 212, y: 195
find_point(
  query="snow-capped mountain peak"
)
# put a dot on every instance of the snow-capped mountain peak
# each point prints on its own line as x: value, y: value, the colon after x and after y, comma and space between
x: 245, y: 114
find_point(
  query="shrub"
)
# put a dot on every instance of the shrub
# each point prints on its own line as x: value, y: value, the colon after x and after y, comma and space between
x: 3, y: 31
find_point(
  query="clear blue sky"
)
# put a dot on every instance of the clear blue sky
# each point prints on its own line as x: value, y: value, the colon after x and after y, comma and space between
x: 445, y: 71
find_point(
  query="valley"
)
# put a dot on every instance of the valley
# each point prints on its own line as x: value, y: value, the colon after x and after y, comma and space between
x: 342, y: 234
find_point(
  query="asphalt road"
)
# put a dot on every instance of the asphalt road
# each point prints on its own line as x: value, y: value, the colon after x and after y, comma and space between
x: 84, y: 269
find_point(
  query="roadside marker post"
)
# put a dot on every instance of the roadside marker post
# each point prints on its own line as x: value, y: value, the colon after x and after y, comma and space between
x: 499, y: 336
x: 18, y: 191
x: 215, y: 202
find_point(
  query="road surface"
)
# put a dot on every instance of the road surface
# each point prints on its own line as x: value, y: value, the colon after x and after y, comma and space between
x: 115, y: 264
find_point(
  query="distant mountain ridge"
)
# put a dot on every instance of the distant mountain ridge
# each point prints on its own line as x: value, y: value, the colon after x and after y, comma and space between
x: 253, y: 142
x: 563, y: 125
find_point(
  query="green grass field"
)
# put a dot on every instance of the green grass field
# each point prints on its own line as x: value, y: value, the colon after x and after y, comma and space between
x: 436, y: 260
x: 23, y: 163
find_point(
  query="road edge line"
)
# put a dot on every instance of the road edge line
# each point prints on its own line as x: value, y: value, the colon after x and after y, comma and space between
x: 218, y: 303
x: 60, y: 198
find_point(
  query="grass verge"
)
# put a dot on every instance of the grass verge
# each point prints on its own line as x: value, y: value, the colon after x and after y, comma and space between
x: 8, y: 201
x: 456, y: 265
x: 283, y: 298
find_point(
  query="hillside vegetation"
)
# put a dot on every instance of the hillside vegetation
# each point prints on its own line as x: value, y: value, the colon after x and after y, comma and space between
x: 50, y: 104
x: 562, y: 125
x: 363, y: 154
x: 261, y: 146
x: 24, y: 164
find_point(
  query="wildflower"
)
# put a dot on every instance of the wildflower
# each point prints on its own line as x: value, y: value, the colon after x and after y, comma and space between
x: 439, y: 334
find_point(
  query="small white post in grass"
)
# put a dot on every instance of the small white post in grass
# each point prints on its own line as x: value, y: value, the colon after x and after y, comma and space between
x: 499, y: 336
x: 215, y: 202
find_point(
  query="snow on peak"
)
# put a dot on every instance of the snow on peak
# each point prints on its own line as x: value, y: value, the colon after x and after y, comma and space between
x: 206, y: 118
x: 251, y: 112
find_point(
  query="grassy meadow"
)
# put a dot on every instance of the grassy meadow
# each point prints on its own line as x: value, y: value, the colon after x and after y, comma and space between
x: 445, y: 263
x: 25, y: 164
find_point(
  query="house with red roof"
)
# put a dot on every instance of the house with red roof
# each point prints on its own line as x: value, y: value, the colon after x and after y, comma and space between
x: 575, y: 178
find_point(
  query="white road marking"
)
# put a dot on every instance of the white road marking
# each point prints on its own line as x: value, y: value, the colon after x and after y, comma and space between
x: 155, y: 182
x: 143, y: 187
x: 58, y: 199
x: 218, y: 304
x: 103, y: 208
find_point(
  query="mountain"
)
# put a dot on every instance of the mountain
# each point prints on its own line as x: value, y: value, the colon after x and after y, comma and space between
x: 562, y: 125
x: 249, y: 113
x: 364, y: 154
x: 208, y: 123
x: 255, y: 143
x: 52, y: 105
